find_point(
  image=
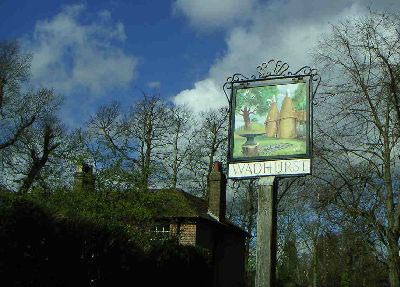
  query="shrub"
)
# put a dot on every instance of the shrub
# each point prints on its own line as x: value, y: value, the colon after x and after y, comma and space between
x: 38, y: 247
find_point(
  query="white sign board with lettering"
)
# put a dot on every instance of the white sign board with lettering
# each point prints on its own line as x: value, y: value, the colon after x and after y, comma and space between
x: 269, y: 168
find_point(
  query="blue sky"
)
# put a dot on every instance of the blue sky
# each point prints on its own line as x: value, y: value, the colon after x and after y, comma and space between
x: 95, y: 52
x: 169, y: 55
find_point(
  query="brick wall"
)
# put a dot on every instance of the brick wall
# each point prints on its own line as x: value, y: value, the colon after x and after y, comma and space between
x: 187, y: 233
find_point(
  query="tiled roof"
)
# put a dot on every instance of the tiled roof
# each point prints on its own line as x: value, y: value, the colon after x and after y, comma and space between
x: 178, y: 203
x: 183, y: 205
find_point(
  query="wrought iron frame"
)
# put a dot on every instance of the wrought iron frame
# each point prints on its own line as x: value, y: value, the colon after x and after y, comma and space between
x: 271, y: 70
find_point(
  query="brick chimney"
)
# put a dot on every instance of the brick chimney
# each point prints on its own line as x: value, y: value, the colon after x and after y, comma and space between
x: 84, y: 178
x: 217, y: 192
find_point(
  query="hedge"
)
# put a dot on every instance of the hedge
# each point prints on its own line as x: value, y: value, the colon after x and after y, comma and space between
x: 40, y: 248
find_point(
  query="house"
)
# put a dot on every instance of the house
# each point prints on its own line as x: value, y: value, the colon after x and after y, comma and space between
x: 204, y: 224
x: 195, y: 221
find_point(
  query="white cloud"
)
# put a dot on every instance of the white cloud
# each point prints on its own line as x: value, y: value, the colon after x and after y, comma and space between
x: 205, y: 95
x: 211, y: 14
x: 70, y: 55
x: 282, y: 30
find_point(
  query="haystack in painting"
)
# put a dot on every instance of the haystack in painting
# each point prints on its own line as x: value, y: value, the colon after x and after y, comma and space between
x: 301, y: 116
x: 272, y: 121
x: 287, y: 126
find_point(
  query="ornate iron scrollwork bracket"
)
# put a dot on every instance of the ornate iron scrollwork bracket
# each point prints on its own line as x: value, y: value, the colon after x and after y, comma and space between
x: 273, y: 69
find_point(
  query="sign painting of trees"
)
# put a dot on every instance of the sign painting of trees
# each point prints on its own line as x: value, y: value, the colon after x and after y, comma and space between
x: 270, y: 120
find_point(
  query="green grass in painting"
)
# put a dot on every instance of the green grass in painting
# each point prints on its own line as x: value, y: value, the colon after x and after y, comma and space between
x: 255, y: 128
x: 296, y: 146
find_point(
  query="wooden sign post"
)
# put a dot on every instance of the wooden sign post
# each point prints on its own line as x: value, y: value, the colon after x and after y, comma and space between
x: 266, y: 232
x: 270, y: 135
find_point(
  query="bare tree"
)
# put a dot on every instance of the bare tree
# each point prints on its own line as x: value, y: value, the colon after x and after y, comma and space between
x: 209, y: 145
x: 14, y: 69
x: 242, y: 209
x: 18, y: 110
x: 108, y: 143
x: 24, y: 120
x: 175, y: 152
x: 148, y: 124
x: 39, y: 145
x: 110, y: 131
x: 45, y: 143
x: 359, y: 123
x: 132, y: 141
x: 310, y: 223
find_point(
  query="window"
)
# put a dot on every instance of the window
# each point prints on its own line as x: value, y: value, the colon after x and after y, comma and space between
x: 161, y: 231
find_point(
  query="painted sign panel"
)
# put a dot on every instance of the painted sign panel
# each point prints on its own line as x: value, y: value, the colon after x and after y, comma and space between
x: 270, y: 120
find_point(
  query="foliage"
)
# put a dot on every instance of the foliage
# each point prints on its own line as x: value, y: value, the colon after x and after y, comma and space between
x: 299, y: 100
x: 288, y: 267
x: 186, y: 262
x: 39, y: 247
x: 257, y: 99
x: 254, y: 101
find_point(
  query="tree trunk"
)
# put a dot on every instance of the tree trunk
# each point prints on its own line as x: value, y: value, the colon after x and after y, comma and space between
x: 149, y: 147
x: 246, y: 118
x: 146, y: 167
x: 393, y: 238
x: 1, y: 92
x: 175, y: 160
x: 394, y: 273
x: 39, y: 162
x: 32, y: 174
x: 314, y: 268
x: 394, y: 263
